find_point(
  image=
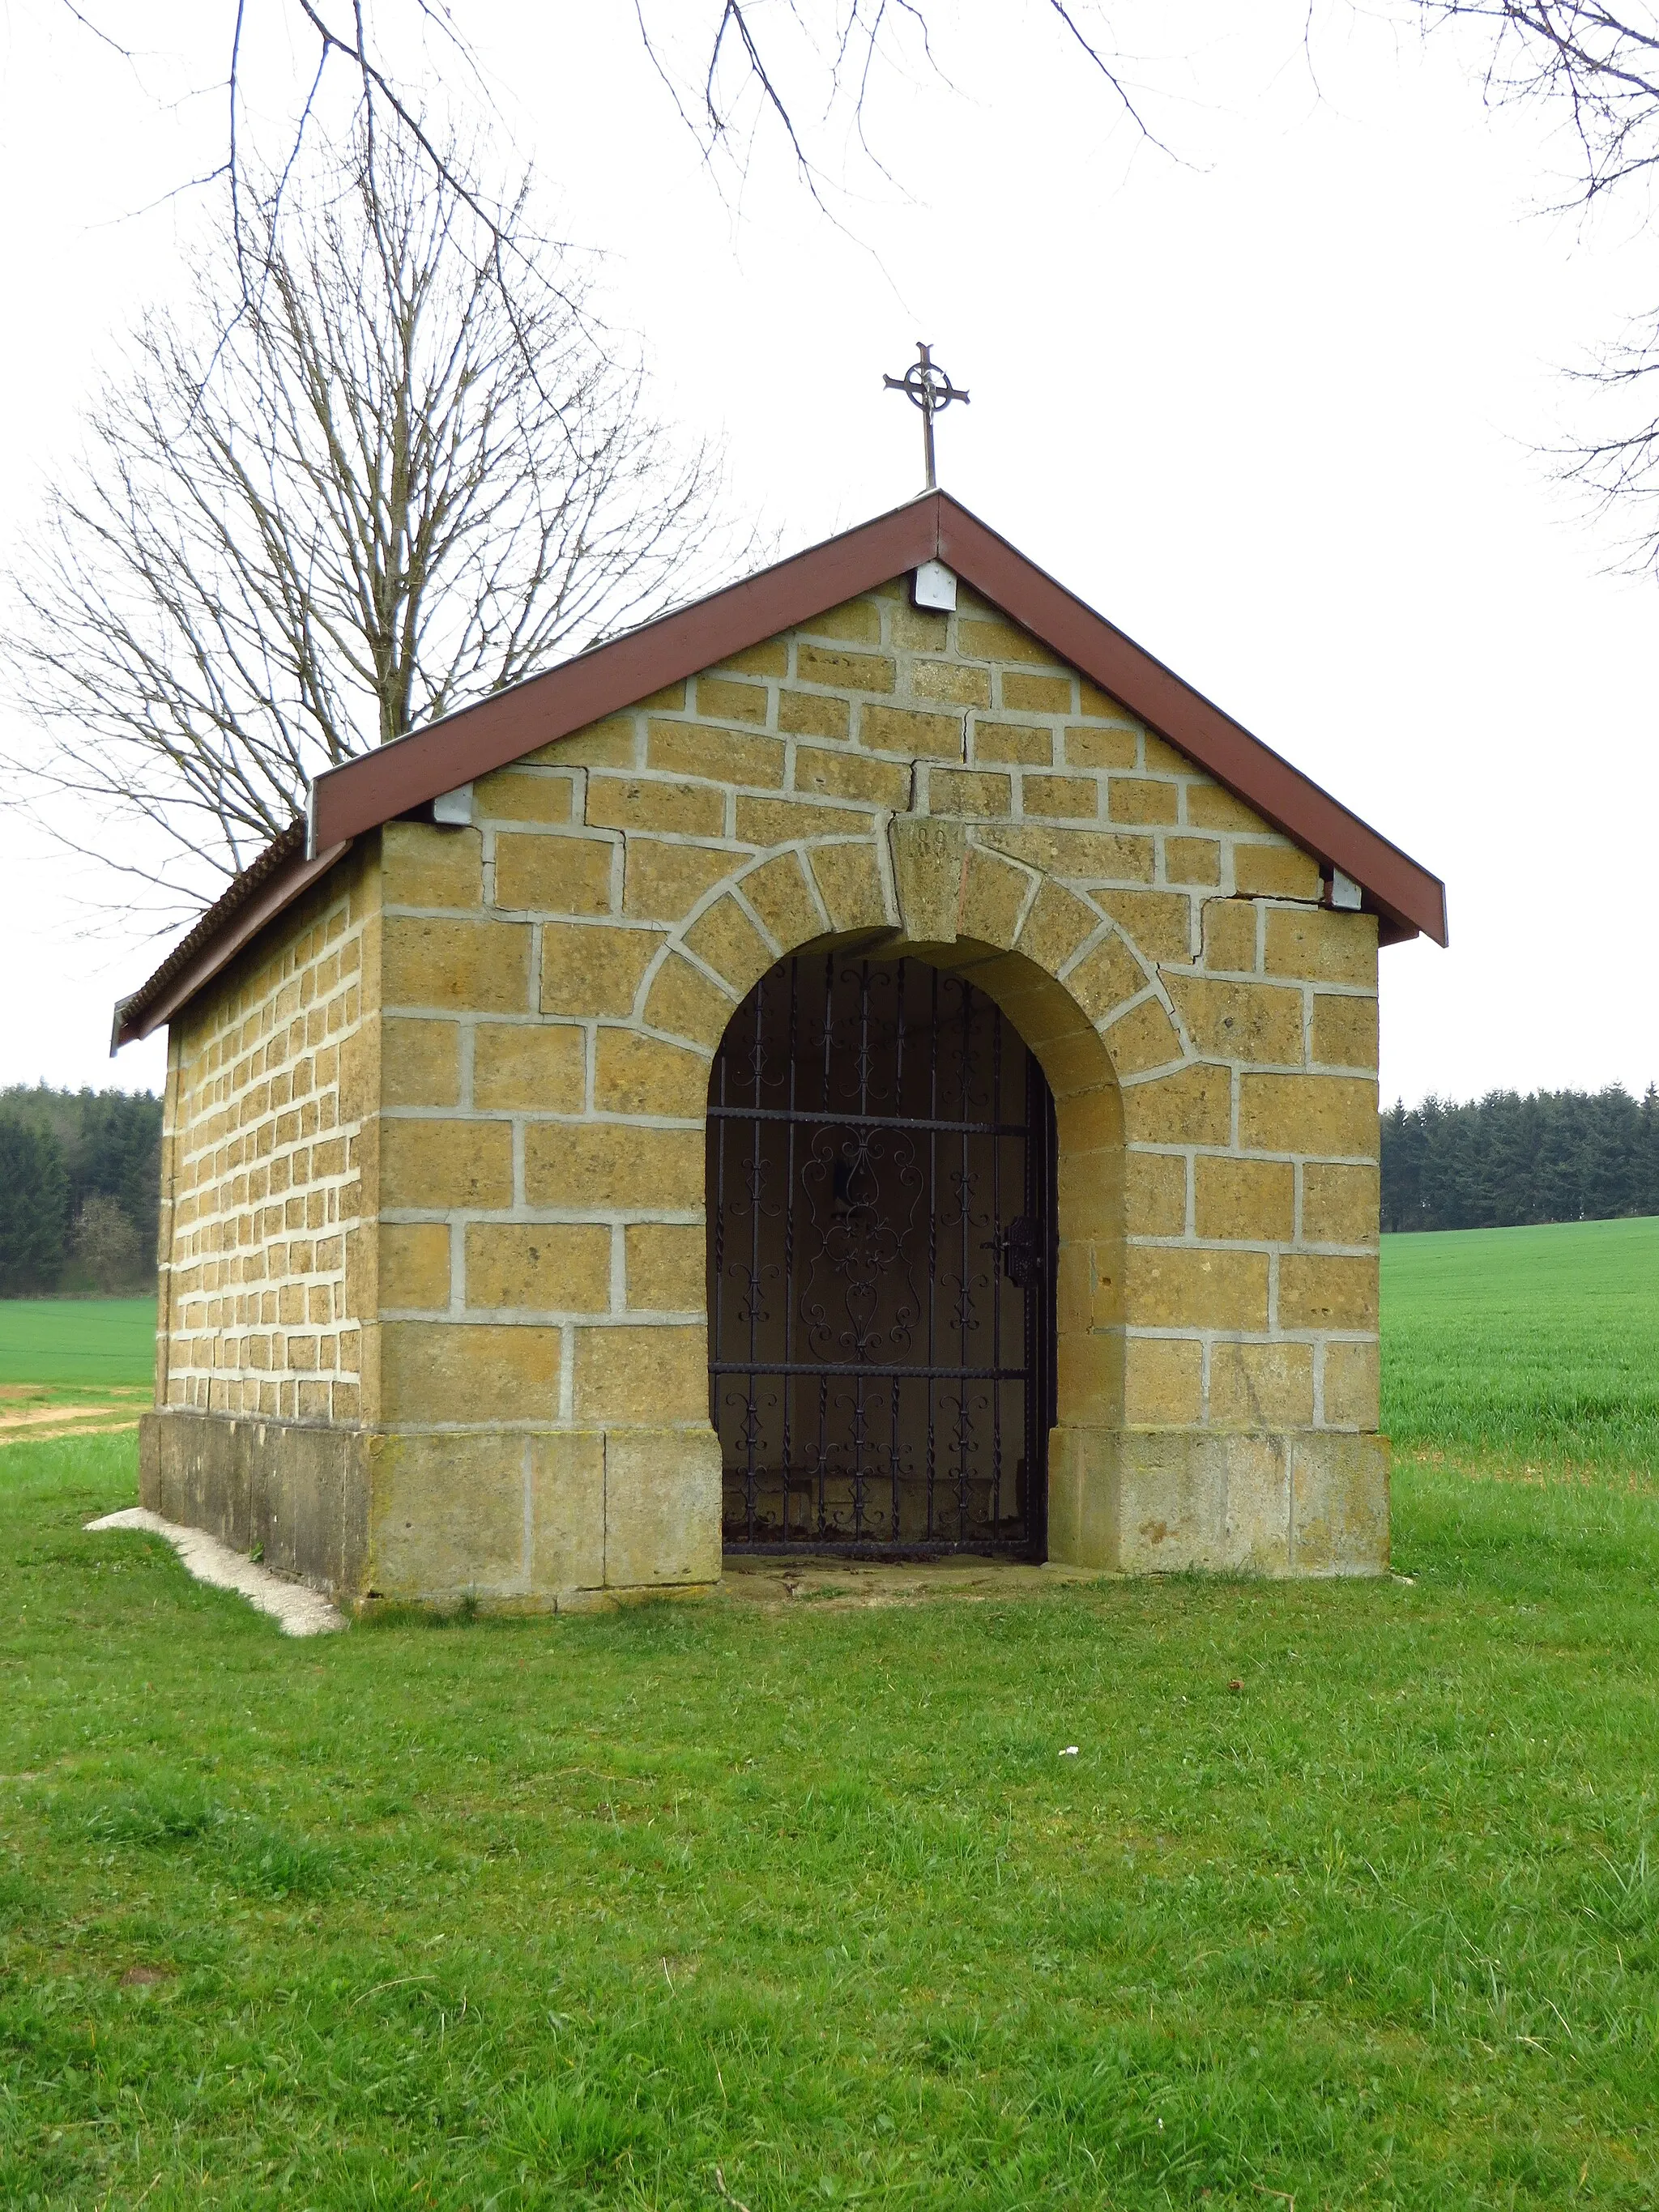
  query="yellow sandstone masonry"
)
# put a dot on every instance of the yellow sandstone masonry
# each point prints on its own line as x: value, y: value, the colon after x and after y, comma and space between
x: 435, y: 1149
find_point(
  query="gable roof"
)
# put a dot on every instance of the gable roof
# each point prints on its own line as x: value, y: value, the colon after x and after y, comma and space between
x: 413, y: 770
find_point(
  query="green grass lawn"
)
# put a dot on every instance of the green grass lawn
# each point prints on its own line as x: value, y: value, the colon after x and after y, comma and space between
x: 704, y: 1905
x: 93, y: 1342
x: 1525, y: 1346
x: 573, y: 1913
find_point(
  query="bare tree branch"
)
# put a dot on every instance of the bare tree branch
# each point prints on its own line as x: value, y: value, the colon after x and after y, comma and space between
x: 395, y: 471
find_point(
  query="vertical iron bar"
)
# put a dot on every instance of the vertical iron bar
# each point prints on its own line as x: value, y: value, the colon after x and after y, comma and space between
x: 789, y: 1385
x: 961, y: 1405
x: 933, y: 1234
x: 759, y: 1129
x: 996, y: 1268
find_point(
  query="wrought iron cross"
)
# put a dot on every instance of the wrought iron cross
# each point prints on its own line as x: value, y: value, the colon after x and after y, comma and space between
x: 928, y: 386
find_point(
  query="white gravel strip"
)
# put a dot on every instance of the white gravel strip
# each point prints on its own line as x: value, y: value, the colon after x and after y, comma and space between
x: 296, y: 1610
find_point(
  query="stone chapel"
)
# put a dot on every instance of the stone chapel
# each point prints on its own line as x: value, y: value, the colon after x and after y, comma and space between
x: 869, y: 1062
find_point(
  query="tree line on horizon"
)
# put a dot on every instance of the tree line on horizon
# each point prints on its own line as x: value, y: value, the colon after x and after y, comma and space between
x: 80, y: 1191
x: 80, y: 1175
x: 1503, y: 1160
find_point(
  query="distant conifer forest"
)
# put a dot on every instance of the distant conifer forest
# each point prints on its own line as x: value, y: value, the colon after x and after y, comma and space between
x: 80, y: 1170
x: 1503, y: 1159
x: 80, y: 1181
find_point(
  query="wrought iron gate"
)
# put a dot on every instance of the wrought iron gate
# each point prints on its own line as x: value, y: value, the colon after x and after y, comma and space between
x: 881, y: 1260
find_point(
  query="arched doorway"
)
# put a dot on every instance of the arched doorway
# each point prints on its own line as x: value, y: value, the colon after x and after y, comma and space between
x: 881, y: 1264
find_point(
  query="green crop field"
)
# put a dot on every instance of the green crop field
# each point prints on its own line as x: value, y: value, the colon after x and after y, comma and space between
x: 97, y: 1341
x: 1526, y: 1348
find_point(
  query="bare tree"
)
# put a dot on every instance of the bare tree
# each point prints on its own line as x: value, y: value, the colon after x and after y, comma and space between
x: 732, y: 68
x: 1596, y: 67
x: 396, y: 472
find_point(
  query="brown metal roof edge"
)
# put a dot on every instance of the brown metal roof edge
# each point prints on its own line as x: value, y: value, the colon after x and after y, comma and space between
x: 270, y: 882
x: 1404, y: 892
x: 377, y: 786
x: 374, y: 788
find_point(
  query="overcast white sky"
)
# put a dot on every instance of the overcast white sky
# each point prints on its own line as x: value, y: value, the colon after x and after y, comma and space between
x: 1272, y: 408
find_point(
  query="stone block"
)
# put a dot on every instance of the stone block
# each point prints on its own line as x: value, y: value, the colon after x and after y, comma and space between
x: 856, y: 621
x: 916, y: 735
x: 427, y: 1165
x: 769, y: 658
x: 1185, y: 1286
x: 1319, y: 1115
x: 726, y: 702
x: 1276, y: 871
x: 1057, y: 925
x: 613, y: 742
x: 1244, y: 1201
x: 544, y: 1266
x: 1213, y: 1502
x: 1162, y: 1380
x: 844, y: 672
x: 649, y: 1371
x: 852, y: 777
x: 422, y: 866
x: 537, y: 1067
x: 420, y: 1063
x: 993, y: 639
x: 692, y: 810
x: 667, y: 1266
x: 1092, y: 856
x: 1344, y: 1031
x: 1339, y: 1505
x: 1036, y: 695
x: 414, y: 1266
x: 763, y: 822
x: 684, y: 1001
x: 1155, y: 1193
x: 567, y: 1512
x: 449, y: 1517
x: 1261, y: 1386
x: 1208, y: 806
x: 1138, y: 799
x: 929, y: 859
x: 1324, y: 1291
x: 993, y: 893
x: 1352, y: 1386
x: 1229, y: 935
x: 663, y: 882
x: 1192, y: 861
x: 969, y: 794
x: 1075, y: 798
x: 729, y: 942
x: 1192, y: 1107
x: 475, y: 967
x: 918, y: 630
x: 849, y: 877
x: 473, y: 1371
x: 722, y: 756
x: 1107, y: 975
x: 951, y: 682
x: 1103, y: 748
x: 814, y: 714
x: 1017, y: 743
x: 1323, y: 945
x: 522, y: 795
x: 595, y: 970
x: 634, y: 1074
x: 608, y: 1163
x: 1252, y: 1022
x: 553, y: 874
x: 1142, y: 1039
x: 662, y: 1507
x: 1339, y: 1206
x: 1158, y: 924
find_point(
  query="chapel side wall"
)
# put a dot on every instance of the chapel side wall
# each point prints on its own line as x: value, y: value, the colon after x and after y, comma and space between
x: 558, y: 975
x: 268, y: 1165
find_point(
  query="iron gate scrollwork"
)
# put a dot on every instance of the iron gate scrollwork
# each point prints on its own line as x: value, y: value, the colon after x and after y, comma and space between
x: 881, y: 1161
